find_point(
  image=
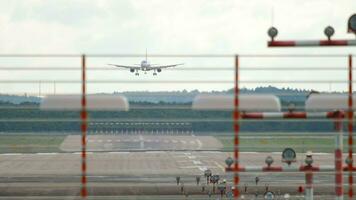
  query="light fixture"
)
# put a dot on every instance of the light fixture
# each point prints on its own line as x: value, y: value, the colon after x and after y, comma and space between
x: 329, y: 31
x: 351, y: 25
x: 272, y: 32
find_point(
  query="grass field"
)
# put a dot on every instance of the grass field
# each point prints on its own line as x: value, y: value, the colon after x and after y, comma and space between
x: 278, y: 143
x: 30, y: 143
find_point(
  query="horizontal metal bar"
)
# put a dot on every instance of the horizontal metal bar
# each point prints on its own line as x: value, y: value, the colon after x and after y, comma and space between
x: 161, y: 120
x: 172, y: 81
x: 310, y: 43
x: 169, y: 55
x: 176, y: 69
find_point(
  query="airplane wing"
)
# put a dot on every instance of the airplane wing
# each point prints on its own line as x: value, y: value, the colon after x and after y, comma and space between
x: 165, y: 66
x: 126, y: 66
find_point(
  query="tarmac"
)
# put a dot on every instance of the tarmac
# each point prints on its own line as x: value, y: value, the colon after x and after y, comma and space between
x: 142, y: 166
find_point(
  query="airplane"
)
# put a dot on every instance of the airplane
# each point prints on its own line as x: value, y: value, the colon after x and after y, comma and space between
x: 145, y: 66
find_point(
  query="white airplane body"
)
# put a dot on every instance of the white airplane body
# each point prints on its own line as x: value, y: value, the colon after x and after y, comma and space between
x: 145, y: 66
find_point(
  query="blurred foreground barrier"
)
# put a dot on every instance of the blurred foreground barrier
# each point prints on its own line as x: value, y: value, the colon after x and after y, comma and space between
x: 248, y: 103
x: 94, y: 102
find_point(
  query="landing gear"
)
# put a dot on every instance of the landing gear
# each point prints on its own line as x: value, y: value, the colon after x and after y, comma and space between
x: 137, y: 73
x: 154, y: 73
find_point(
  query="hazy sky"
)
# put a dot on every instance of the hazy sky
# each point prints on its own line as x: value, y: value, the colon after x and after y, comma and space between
x: 166, y: 27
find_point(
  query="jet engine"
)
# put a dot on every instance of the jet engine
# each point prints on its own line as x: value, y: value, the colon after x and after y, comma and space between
x: 132, y: 70
x: 159, y: 70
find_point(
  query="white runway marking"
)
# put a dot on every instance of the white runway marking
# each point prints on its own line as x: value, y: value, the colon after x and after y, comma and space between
x: 119, y: 152
x: 183, y: 141
x: 189, y: 167
x: 11, y: 154
x: 200, y: 144
x: 196, y: 162
x: 202, y: 168
x: 142, y: 142
x: 214, y: 152
x: 154, y: 152
x: 220, y: 166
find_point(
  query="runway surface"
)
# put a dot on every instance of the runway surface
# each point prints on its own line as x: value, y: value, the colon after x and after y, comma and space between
x: 151, y: 172
x: 141, y: 142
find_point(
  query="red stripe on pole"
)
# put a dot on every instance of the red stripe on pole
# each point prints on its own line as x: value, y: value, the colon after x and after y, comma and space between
x: 309, y: 180
x: 83, y: 116
x: 281, y: 43
x: 236, y: 116
x: 333, y: 43
x: 294, y: 115
x: 272, y: 169
x: 350, y: 129
x: 305, y: 168
x: 335, y: 115
x: 252, y: 115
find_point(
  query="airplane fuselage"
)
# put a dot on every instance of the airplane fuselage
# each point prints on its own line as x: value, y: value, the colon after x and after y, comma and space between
x: 145, y: 65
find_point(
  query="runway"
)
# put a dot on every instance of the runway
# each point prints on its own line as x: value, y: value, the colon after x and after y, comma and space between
x: 116, y: 171
x: 141, y: 142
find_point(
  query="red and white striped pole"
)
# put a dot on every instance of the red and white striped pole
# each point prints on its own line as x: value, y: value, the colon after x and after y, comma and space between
x: 338, y: 157
x: 350, y: 130
x: 257, y: 169
x: 289, y: 115
x: 236, y: 117
x: 309, y: 190
x: 83, y: 115
x: 310, y: 43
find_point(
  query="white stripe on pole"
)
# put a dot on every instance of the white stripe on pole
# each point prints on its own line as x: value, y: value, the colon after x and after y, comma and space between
x: 317, y: 114
x: 351, y: 42
x: 272, y: 115
x: 307, y: 43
